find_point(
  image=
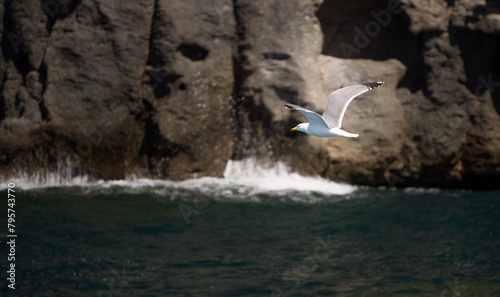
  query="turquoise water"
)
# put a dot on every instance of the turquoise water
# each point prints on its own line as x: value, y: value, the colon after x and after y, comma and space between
x: 117, y: 240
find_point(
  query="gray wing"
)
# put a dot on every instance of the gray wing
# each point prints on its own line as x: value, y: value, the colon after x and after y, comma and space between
x: 312, y: 117
x: 338, y: 100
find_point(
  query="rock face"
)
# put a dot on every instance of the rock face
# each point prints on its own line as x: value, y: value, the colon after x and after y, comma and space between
x: 174, y: 89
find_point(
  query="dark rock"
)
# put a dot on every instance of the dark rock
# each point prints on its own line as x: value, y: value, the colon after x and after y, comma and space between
x: 174, y: 89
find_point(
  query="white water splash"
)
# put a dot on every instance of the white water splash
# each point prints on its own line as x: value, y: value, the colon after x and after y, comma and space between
x: 279, y: 178
x: 242, y: 180
x: 44, y: 180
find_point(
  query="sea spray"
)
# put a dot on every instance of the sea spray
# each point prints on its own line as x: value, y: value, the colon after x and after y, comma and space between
x: 243, y: 180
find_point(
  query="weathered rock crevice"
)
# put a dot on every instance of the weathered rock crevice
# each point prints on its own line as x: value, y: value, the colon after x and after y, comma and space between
x: 55, y: 10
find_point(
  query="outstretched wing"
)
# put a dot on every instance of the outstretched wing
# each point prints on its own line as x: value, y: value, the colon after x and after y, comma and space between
x: 338, y: 100
x: 312, y: 117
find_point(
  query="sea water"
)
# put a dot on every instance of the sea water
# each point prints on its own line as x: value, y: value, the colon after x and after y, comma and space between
x: 256, y: 232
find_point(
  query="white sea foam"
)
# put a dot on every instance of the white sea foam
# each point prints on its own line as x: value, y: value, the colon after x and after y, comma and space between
x: 44, y: 180
x: 279, y: 178
x: 244, y: 179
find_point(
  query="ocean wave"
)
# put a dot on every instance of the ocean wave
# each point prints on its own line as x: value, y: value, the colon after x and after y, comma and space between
x: 245, y: 179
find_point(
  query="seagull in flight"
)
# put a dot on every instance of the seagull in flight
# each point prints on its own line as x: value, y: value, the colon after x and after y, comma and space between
x: 328, y: 125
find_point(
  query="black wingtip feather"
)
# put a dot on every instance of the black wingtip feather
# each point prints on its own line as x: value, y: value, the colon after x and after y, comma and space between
x: 373, y: 85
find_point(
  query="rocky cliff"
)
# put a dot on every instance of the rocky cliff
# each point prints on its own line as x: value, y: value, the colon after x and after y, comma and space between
x: 175, y: 88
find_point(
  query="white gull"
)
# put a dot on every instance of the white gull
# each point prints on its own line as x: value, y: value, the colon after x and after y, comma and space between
x: 328, y: 125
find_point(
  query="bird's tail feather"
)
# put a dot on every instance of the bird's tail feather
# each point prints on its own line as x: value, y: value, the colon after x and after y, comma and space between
x: 341, y: 132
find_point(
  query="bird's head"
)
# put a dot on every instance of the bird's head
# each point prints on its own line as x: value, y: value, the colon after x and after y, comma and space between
x: 301, y: 127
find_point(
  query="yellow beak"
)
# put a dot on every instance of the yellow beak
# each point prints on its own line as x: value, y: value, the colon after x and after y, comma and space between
x: 293, y: 129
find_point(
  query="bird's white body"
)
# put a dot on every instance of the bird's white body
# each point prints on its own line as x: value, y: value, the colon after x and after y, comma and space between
x: 322, y: 131
x: 328, y: 124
